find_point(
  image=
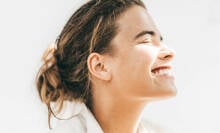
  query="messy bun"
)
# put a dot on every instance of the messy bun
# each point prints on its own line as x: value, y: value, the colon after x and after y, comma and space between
x: 48, y: 80
x: 64, y: 75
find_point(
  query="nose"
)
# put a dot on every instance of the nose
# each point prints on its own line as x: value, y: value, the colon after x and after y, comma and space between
x: 166, y: 53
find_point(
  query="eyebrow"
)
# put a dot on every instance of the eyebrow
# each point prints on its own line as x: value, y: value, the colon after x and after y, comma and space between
x: 142, y: 33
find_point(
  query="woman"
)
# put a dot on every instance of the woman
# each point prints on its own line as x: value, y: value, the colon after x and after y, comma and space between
x: 109, y: 60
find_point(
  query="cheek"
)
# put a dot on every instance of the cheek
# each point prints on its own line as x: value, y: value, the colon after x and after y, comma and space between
x: 132, y: 71
x: 147, y: 54
x: 140, y: 55
x: 142, y: 79
x: 133, y: 66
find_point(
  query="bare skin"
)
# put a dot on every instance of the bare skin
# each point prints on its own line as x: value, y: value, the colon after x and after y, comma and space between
x: 124, y: 83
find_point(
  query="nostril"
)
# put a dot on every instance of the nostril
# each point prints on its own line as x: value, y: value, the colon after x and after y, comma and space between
x: 166, y: 54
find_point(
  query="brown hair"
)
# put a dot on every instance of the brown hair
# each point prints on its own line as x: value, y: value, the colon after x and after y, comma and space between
x: 64, y: 74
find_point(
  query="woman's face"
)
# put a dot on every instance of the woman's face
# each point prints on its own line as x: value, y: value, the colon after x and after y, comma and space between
x: 141, y: 63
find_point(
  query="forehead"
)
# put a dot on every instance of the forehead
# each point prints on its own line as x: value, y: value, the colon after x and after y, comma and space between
x: 133, y: 21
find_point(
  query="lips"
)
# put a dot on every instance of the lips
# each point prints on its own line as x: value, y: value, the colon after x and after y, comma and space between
x: 162, y: 70
x: 159, y: 68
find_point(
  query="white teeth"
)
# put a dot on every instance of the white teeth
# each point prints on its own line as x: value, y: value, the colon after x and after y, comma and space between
x: 162, y: 72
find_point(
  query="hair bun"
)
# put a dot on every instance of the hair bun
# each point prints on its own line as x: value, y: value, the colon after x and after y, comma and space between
x: 48, y: 57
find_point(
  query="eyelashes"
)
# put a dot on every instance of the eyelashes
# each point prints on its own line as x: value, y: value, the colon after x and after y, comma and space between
x: 148, y: 40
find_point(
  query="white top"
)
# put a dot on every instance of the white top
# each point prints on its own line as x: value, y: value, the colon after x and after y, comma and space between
x: 83, y: 121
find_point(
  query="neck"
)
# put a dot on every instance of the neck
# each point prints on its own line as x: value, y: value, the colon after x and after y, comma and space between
x: 117, y: 115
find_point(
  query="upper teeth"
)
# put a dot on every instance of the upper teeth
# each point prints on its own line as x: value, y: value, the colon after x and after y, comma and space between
x: 162, y: 72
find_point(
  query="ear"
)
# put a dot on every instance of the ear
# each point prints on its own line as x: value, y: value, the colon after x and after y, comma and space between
x: 98, y: 67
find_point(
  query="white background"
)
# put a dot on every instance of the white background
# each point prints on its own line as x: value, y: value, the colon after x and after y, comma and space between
x: 191, y: 27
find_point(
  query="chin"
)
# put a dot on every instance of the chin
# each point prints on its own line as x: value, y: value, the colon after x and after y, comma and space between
x: 160, y: 93
x: 167, y: 93
x: 164, y: 87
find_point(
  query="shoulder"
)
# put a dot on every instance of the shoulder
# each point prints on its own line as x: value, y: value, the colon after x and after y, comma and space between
x: 75, y: 125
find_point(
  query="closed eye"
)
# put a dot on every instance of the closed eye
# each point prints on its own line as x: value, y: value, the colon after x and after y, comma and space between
x: 147, y: 40
x: 149, y: 43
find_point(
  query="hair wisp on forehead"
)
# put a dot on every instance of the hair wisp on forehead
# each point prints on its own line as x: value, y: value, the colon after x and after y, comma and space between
x: 64, y: 75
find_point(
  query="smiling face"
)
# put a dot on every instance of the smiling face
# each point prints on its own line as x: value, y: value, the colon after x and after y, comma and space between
x: 140, y: 66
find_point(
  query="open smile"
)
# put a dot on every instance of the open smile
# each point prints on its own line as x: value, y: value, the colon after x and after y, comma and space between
x: 162, y: 71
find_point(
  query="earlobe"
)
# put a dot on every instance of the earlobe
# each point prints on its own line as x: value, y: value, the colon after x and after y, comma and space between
x: 97, y: 67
